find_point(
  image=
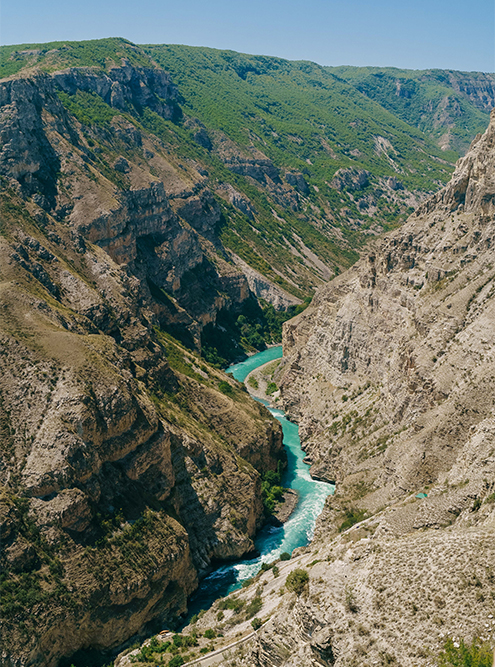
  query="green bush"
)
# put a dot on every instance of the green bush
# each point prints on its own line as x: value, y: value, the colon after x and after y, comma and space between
x: 253, y: 382
x: 476, y: 505
x: 254, y: 606
x: 176, y: 661
x: 236, y: 604
x: 210, y: 634
x: 297, y: 580
x: 350, y: 600
x: 285, y: 556
x: 265, y: 567
x: 276, y: 571
x: 225, y: 388
x: 271, y: 388
x: 256, y: 623
x: 476, y: 654
x: 271, y: 491
x: 352, y: 516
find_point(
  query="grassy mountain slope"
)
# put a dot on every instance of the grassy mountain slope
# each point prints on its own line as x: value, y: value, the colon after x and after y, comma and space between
x: 51, y: 56
x: 302, y: 117
x: 299, y: 116
x: 289, y: 167
x: 450, y: 106
x: 301, y: 168
x: 295, y: 111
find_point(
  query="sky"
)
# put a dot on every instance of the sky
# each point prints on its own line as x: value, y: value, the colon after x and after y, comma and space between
x: 413, y: 34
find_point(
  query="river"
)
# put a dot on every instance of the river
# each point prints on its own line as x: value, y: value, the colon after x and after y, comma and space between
x: 271, y: 541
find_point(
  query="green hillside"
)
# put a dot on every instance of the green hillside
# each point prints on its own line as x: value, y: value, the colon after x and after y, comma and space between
x: 101, y: 53
x: 303, y: 164
x: 450, y: 106
x: 298, y: 111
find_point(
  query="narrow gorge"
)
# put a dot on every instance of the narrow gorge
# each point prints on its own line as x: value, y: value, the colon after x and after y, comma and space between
x: 168, y: 211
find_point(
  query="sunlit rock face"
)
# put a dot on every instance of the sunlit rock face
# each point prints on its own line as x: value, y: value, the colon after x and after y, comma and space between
x: 125, y: 470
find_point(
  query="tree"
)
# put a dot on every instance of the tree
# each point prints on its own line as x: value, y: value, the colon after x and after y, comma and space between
x: 297, y: 580
x: 256, y: 623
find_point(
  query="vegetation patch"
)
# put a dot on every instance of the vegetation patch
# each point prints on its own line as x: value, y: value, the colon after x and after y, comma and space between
x: 460, y: 654
x: 352, y: 515
x: 271, y: 490
x: 297, y: 580
x: 235, y: 334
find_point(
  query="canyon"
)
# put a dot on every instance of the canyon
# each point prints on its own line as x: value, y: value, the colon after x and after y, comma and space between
x: 144, y: 244
x: 389, y: 373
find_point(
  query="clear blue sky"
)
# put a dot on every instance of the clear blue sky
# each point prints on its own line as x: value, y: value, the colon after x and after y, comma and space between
x: 417, y: 34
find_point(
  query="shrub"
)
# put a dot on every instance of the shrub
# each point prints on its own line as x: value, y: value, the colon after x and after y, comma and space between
x: 247, y: 582
x: 476, y: 505
x: 285, y: 556
x: 256, y: 623
x: 176, y: 661
x: 190, y: 640
x: 236, y: 604
x: 271, y: 491
x: 271, y: 388
x: 352, y: 516
x: 350, y: 600
x: 210, y: 634
x: 297, y: 580
x: 254, y: 607
x: 253, y: 382
x: 225, y: 388
x: 477, y: 654
x: 276, y: 571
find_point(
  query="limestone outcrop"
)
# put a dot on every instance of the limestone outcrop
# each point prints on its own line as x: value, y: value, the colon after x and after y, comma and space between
x: 394, y: 356
x: 390, y: 375
x: 126, y: 465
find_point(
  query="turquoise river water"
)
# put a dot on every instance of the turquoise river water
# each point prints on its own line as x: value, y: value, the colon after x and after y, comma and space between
x: 271, y: 541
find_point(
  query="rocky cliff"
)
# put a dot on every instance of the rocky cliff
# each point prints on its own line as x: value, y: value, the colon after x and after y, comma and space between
x: 248, y: 178
x: 391, y: 351
x: 128, y: 463
x: 152, y: 216
x: 390, y: 375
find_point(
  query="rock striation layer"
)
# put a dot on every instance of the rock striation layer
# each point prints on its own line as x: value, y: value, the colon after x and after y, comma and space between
x: 128, y: 463
x: 395, y: 354
x: 390, y: 375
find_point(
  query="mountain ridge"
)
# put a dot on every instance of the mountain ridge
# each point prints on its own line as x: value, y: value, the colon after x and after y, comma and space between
x: 126, y: 227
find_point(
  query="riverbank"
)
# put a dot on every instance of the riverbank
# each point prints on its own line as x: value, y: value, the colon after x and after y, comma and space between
x: 285, y: 507
x: 258, y: 380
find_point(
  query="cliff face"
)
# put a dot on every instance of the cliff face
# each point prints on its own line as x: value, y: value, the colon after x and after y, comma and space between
x: 390, y: 351
x: 390, y: 374
x: 152, y: 215
x: 451, y: 106
x: 125, y: 469
x: 479, y: 88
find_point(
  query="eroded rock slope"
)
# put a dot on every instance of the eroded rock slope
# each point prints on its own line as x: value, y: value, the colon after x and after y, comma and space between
x: 390, y: 374
x: 127, y: 463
